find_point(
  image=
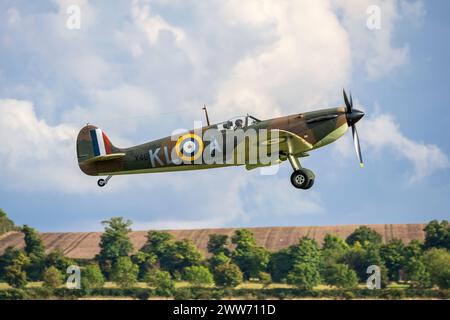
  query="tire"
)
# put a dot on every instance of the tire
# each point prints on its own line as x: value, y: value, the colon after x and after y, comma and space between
x: 300, y: 179
x: 311, y: 183
x: 101, y: 183
x: 309, y: 173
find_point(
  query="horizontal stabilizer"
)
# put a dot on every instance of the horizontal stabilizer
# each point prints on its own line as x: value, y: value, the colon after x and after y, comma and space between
x: 112, y: 156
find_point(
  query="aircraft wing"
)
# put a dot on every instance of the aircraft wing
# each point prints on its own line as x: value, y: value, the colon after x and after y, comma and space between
x: 106, y: 157
x: 293, y: 144
x: 288, y: 143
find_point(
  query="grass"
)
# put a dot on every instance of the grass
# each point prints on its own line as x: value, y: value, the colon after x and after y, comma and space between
x: 397, y: 286
x: 37, y: 284
x: 179, y: 284
x: 245, y: 285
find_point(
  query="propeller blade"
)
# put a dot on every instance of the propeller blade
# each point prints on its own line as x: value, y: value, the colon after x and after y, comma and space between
x: 347, y: 103
x: 357, y: 146
x: 351, y: 100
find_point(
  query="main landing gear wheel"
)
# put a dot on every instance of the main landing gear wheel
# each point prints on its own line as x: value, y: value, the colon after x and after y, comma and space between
x: 302, y: 179
x: 103, y: 182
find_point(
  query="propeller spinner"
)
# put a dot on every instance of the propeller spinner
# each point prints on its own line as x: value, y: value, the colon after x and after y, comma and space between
x: 353, y: 116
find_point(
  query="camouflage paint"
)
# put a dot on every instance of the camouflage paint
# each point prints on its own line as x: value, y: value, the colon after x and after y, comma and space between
x: 304, y: 132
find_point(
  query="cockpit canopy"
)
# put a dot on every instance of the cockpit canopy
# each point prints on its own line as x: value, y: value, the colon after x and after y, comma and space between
x: 239, y: 122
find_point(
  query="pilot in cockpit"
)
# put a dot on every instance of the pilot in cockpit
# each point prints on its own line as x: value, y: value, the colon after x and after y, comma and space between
x: 238, y: 124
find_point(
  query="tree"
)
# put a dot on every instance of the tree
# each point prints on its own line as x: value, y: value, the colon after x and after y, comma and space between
x: 92, y: 277
x: 157, y: 243
x: 179, y: 255
x: 250, y: 258
x: 437, y: 263
x: 227, y: 275
x: 218, y: 243
x: 173, y: 256
x: 6, y: 224
x: 341, y: 276
x: 364, y: 235
x: 34, y: 248
x: 15, y: 263
x: 198, y: 275
x: 393, y: 256
x: 333, y: 250
x: 52, y: 278
x: 283, y: 261
x: 218, y: 260
x: 360, y: 258
x: 280, y: 263
x: 331, y: 242
x: 437, y: 235
x: 15, y: 276
x: 413, y: 249
x: 145, y: 262
x: 417, y: 273
x: 162, y: 281
x: 124, y: 272
x: 304, y: 275
x: 243, y: 238
x: 265, y: 279
x: 33, y: 243
x: 6, y: 260
x: 57, y: 259
x: 114, y: 243
x: 306, y: 251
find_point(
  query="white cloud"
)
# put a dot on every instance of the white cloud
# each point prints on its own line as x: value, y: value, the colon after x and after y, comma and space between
x: 279, y: 198
x: 382, y: 131
x: 225, y: 199
x: 153, y: 25
x: 306, y: 64
x: 36, y: 156
x: 375, y: 48
x: 113, y: 108
x: 413, y: 11
x: 381, y: 134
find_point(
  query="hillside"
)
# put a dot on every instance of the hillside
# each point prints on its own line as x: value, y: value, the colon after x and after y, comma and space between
x: 84, y: 245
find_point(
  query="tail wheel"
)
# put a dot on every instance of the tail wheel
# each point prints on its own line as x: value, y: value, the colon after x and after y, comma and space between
x: 101, y: 183
x: 302, y: 179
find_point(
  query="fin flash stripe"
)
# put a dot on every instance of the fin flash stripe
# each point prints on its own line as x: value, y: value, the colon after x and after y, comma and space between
x: 100, y: 143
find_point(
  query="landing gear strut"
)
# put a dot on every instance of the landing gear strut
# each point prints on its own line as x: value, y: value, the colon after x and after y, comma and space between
x: 103, y: 182
x: 301, y: 178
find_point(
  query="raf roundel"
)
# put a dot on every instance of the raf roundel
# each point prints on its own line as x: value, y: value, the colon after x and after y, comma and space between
x: 189, y: 147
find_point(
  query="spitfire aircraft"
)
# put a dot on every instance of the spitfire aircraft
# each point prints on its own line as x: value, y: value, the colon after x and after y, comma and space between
x: 286, y: 138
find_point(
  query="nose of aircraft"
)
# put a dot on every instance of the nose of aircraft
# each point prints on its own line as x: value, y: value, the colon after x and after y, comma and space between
x: 354, y: 116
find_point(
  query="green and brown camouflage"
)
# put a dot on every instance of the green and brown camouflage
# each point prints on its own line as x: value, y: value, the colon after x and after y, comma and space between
x: 288, y: 137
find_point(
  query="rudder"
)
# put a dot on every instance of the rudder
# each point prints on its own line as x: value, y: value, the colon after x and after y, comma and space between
x: 93, y: 142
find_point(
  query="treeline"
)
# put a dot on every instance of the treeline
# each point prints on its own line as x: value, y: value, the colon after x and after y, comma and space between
x: 6, y: 224
x: 163, y: 261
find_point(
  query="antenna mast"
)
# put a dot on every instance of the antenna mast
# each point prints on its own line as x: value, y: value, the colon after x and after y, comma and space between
x: 206, y: 114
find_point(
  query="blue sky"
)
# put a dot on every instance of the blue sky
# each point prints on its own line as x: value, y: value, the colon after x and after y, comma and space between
x: 140, y: 69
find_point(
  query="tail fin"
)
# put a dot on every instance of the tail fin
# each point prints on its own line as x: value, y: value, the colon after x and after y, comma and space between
x: 92, y: 143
